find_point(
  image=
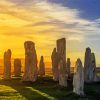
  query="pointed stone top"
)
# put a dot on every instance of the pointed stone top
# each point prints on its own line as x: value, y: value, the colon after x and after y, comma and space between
x: 88, y: 49
x: 78, y: 62
x: 92, y: 56
x: 8, y: 51
x: 78, y: 79
x: 42, y: 58
x: 78, y: 65
x: 54, y: 49
x: 68, y: 59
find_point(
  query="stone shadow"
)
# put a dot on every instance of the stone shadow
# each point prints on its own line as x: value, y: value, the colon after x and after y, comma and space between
x: 21, y: 88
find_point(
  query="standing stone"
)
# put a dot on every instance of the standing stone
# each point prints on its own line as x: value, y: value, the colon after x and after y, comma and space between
x: 62, y: 74
x: 7, y: 65
x: 17, y: 67
x: 68, y: 66
x: 92, y: 69
x: 31, y: 69
x: 61, y: 50
x: 54, y: 58
x: 78, y: 79
x: 87, y: 64
x: 42, y: 67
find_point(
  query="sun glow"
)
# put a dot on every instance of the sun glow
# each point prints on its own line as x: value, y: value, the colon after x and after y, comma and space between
x: 42, y: 23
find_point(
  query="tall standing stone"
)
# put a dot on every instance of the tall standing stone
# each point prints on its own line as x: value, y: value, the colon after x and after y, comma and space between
x: 62, y: 74
x: 68, y: 66
x: 54, y: 58
x: 87, y: 64
x: 31, y: 69
x: 17, y: 67
x: 42, y: 67
x: 7, y: 65
x: 92, y: 69
x: 78, y: 79
x: 61, y: 50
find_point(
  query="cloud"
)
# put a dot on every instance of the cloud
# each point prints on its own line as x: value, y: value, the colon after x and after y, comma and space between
x: 41, y: 17
x: 44, y: 13
x: 44, y: 22
x: 95, y: 37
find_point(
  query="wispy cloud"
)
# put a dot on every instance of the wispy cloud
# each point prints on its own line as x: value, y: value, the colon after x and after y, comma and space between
x: 44, y: 22
x: 37, y: 13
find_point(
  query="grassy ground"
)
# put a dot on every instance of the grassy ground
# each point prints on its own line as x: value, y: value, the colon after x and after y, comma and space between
x: 44, y: 89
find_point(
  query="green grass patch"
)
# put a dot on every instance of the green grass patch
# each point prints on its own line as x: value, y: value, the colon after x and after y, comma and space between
x: 44, y: 89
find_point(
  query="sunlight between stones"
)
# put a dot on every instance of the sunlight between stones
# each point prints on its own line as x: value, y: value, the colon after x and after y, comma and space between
x: 7, y: 93
x: 42, y: 94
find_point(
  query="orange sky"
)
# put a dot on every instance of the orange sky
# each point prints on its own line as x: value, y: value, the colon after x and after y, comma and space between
x: 42, y: 23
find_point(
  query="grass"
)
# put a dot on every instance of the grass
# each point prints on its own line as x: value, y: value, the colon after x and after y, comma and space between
x: 44, y: 89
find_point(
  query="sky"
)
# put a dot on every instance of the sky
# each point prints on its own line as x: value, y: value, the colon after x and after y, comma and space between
x: 45, y: 21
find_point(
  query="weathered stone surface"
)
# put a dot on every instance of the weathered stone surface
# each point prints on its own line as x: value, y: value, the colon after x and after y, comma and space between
x: 54, y: 58
x: 17, y: 67
x: 87, y: 64
x: 61, y: 50
x: 62, y: 74
x: 92, y: 69
x: 31, y: 69
x: 7, y: 65
x: 42, y: 67
x: 68, y: 66
x: 78, y: 79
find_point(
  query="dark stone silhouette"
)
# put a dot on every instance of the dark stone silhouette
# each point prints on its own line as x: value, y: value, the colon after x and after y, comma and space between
x: 61, y: 50
x: 89, y: 66
x: 92, y: 68
x: 42, y: 67
x: 17, y: 67
x: 54, y: 58
x: 78, y: 79
x: 7, y: 65
x: 31, y: 69
x: 68, y: 66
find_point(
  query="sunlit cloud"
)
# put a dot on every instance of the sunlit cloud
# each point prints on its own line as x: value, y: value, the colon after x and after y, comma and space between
x: 43, y: 22
x: 75, y: 38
